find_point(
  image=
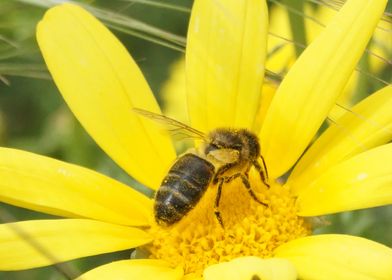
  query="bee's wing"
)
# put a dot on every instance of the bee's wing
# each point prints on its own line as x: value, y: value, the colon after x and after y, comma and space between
x: 173, y: 126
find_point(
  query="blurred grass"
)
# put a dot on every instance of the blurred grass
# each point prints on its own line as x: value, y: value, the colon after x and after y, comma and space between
x: 33, y: 116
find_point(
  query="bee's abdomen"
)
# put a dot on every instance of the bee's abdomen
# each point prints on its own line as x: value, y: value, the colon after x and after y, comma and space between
x: 182, y: 188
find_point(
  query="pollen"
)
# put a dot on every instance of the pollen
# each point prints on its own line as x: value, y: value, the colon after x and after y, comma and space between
x: 250, y: 228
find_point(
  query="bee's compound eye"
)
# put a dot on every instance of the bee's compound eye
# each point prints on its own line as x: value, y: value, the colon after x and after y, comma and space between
x: 210, y: 147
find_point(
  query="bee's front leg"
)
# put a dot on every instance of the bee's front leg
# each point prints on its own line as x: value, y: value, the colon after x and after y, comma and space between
x: 221, y: 170
x: 262, y: 171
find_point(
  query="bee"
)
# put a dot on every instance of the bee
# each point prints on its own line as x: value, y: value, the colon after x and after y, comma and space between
x: 225, y: 154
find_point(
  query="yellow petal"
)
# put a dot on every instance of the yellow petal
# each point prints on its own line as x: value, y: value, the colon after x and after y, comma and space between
x: 101, y: 83
x: 248, y: 268
x: 377, y: 49
x: 43, y: 242
x: 225, y: 62
x: 338, y: 257
x: 192, y: 276
x: 311, y: 87
x: 268, y: 92
x: 365, y: 126
x: 51, y: 186
x: 360, y: 182
x: 173, y: 92
x: 281, y: 52
x: 133, y: 269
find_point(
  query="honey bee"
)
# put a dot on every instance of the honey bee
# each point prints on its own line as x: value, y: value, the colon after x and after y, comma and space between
x: 225, y: 154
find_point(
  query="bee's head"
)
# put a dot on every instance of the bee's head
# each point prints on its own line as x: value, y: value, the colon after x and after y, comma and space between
x: 241, y: 140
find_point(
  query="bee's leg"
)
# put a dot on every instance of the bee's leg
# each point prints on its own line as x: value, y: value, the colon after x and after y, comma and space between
x: 245, y: 181
x: 217, y: 201
x: 232, y: 177
x: 222, y: 170
x: 262, y: 171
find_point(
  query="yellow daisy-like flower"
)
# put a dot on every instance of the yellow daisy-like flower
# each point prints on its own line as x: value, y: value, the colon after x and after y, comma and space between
x: 346, y: 168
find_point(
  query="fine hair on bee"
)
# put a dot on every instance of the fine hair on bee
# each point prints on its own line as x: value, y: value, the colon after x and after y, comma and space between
x: 225, y: 154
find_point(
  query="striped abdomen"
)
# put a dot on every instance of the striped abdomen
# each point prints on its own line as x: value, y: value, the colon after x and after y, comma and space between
x: 182, y: 188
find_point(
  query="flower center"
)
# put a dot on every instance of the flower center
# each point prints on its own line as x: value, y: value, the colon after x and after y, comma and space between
x: 250, y: 229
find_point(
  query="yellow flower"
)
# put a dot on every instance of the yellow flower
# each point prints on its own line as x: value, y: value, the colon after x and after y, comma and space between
x: 346, y: 168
